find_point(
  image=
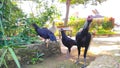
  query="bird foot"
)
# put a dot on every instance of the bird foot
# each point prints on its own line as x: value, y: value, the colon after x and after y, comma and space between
x: 84, y: 66
x: 77, y: 62
x: 68, y: 56
x: 46, y: 45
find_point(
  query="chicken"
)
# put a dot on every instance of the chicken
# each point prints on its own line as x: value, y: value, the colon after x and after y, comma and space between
x: 83, y: 38
x: 67, y: 42
x: 44, y: 33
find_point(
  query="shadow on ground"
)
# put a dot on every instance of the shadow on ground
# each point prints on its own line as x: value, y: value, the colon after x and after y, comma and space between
x: 97, y: 49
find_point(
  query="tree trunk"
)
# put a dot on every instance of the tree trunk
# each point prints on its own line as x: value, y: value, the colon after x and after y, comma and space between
x: 67, y: 12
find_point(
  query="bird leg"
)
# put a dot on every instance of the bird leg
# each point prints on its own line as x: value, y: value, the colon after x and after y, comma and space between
x: 46, y: 42
x: 86, y: 48
x: 84, y: 63
x: 77, y: 61
x: 47, y: 45
x: 79, y: 49
x: 67, y: 54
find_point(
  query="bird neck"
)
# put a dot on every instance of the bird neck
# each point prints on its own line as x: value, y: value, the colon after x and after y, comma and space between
x: 36, y: 26
x: 63, y: 34
x: 85, y: 28
x: 86, y: 25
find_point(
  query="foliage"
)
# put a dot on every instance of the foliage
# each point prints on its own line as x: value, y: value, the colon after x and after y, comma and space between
x: 82, y: 1
x: 102, y: 25
x: 49, y: 14
x: 76, y: 24
x: 10, y: 14
x: 9, y: 50
x: 103, y: 31
x: 6, y: 15
x: 47, y: 11
x: 16, y: 28
x: 38, y: 57
x: 59, y: 23
x: 99, y: 25
x: 24, y: 34
x: 75, y: 1
x: 100, y: 1
x: 69, y: 2
x: 108, y: 23
x: 5, y: 50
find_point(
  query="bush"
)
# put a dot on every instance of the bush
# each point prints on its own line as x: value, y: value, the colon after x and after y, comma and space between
x: 102, y: 25
x: 76, y: 24
x: 99, y: 25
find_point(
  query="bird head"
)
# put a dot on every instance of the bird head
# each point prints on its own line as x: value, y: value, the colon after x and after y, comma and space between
x: 89, y: 18
x: 35, y: 25
x: 61, y: 29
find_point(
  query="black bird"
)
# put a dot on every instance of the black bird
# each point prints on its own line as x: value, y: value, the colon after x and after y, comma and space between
x: 67, y: 42
x: 44, y: 33
x: 83, y: 38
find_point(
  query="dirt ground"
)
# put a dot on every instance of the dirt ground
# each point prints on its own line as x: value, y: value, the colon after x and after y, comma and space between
x: 61, y: 61
x: 97, y: 48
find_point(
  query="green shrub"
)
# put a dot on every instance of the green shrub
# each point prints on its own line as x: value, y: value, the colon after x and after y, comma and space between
x: 99, y: 25
x: 103, y: 31
x: 76, y: 24
x: 108, y: 23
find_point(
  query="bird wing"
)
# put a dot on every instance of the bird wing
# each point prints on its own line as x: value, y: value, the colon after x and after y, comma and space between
x: 52, y: 36
x: 42, y: 33
x: 71, y: 41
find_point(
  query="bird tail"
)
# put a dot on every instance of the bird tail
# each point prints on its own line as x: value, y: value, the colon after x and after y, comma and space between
x: 52, y: 37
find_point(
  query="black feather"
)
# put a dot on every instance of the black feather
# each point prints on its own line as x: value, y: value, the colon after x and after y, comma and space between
x: 68, y: 42
x: 44, y: 33
x: 83, y: 38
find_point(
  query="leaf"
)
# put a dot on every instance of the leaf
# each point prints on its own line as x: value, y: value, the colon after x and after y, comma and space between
x: 17, y: 46
x: 5, y: 63
x: 1, y: 12
x: 2, y: 57
x: 40, y: 55
x: 41, y: 59
x: 1, y: 46
x: 14, y: 57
